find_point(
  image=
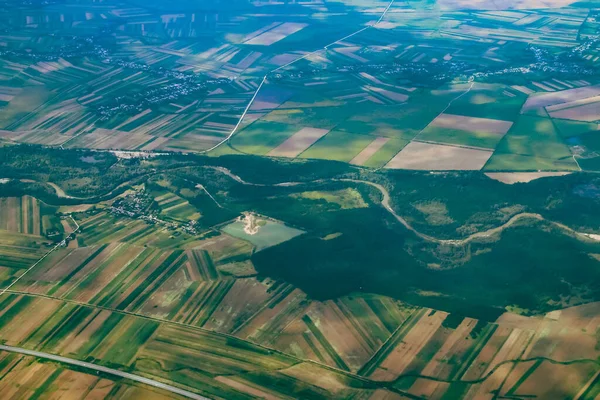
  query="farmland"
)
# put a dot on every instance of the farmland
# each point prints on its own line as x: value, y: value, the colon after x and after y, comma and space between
x: 328, y: 199
x: 225, y: 284
x: 354, y: 82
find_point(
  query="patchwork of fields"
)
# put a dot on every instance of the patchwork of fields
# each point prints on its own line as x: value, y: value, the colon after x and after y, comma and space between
x: 325, y: 199
x: 190, y: 310
x: 354, y: 82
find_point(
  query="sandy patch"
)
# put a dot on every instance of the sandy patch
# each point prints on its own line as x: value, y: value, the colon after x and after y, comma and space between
x: 299, y: 142
x: 429, y: 156
x: 521, y: 177
x: 471, y: 124
x: 251, y: 223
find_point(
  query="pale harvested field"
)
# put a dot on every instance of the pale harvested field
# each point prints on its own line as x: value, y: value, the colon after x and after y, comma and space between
x: 487, y: 354
x: 521, y: 177
x: 439, y: 362
x: 260, y: 325
x: 429, y: 156
x: 394, y: 96
x: 134, y: 280
x: 512, y: 349
x: 165, y: 299
x: 21, y: 381
x: 28, y: 321
x: 110, y: 139
x: 340, y: 333
x: 515, y: 375
x: 276, y: 34
x: 319, y: 377
x: 294, y: 341
x: 368, y: 151
x: 72, y: 385
x: 428, y: 389
x: 567, y: 335
x: 105, y: 275
x: 563, y: 96
x: 70, y: 285
x: 588, y: 113
x: 53, y: 269
x: 240, y: 303
x: 299, y: 142
x: 471, y: 124
x: 575, y: 103
x: 572, y: 377
x: 486, y: 389
x: 403, y: 354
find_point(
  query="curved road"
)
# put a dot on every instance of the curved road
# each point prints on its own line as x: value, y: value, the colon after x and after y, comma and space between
x: 105, y: 370
x: 385, y: 202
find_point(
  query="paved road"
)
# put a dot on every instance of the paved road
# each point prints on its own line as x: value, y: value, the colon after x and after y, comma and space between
x: 106, y: 370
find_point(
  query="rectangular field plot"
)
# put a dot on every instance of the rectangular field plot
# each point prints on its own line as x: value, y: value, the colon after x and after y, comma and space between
x: 586, y: 112
x: 20, y: 214
x: 173, y: 207
x: 532, y: 144
x: 483, y: 140
x: 385, y: 153
x: 563, y: 96
x: 344, y: 333
x: 429, y: 156
x: 275, y: 34
x: 299, y: 142
x: 338, y: 145
x: 369, y: 151
x: 471, y: 124
x: 262, y: 136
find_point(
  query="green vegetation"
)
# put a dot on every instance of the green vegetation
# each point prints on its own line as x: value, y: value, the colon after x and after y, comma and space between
x: 338, y: 146
x: 238, y: 273
x: 268, y: 233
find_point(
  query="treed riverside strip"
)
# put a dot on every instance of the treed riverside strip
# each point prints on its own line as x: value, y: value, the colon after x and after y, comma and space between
x: 385, y: 202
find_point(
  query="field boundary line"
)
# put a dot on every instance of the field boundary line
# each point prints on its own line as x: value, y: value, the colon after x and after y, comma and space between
x: 192, y: 327
x: 281, y: 67
x: 376, y: 353
x: 472, y: 81
x: 106, y: 370
x: 61, y: 243
x: 30, y: 268
x: 241, y: 117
